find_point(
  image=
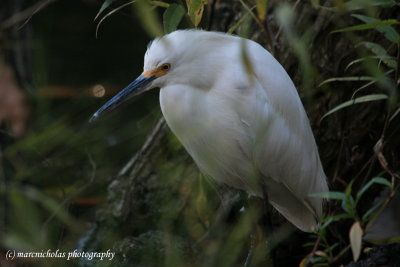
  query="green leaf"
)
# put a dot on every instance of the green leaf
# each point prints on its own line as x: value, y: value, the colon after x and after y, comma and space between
x: 384, y: 3
x: 357, y: 100
x: 389, y: 32
x: 195, y: 10
x: 159, y: 3
x: 261, y: 6
x: 149, y: 18
x: 355, y: 235
x: 326, y: 223
x: 237, y: 24
x: 197, y: 16
x: 347, y: 79
x: 347, y: 207
x: 105, y: 4
x: 366, y: 58
x: 334, y: 218
x: 368, y: 214
x: 354, y: 62
x: 362, y: 87
x: 172, y: 17
x: 341, y: 216
x: 368, y: 26
x: 381, y: 53
x: 348, y: 188
x: 357, y: 4
x: 376, y: 180
x: 110, y: 13
x: 394, y: 114
x: 330, y: 195
x: 193, y: 6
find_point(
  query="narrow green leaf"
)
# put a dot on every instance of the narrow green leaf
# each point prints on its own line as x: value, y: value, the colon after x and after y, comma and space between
x: 355, y: 235
x: 366, y: 217
x: 389, y: 32
x: 348, y: 208
x: 326, y: 223
x: 362, y: 87
x: 365, y: 58
x: 347, y: 79
x: 159, y: 3
x: 330, y: 195
x: 172, y: 17
x: 308, y: 244
x: 246, y: 61
x: 341, y: 216
x: 376, y: 180
x: 348, y: 188
x: 261, y: 6
x: 110, y: 13
x: 149, y: 18
x: 354, y: 62
x: 357, y: 4
x: 381, y: 53
x: 335, y: 218
x: 384, y: 3
x: 357, y: 100
x: 105, y: 4
x: 237, y: 24
x: 367, y: 26
x: 375, y: 48
x: 394, y: 114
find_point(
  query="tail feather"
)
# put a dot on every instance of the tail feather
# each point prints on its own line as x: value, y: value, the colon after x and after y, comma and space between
x: 303, y: 213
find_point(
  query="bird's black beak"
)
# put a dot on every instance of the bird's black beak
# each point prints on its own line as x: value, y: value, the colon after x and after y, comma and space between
x: 133, y: 89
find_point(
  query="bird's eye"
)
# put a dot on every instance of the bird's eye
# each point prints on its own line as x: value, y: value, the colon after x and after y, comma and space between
x: 166, y: 66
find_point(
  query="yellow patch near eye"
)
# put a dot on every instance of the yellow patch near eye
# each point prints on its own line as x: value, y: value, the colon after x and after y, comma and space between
x: 158, y: 72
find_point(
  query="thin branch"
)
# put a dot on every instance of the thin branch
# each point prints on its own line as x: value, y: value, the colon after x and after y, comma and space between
x: 146, y: 148
x: 110, y: 13
x: 260, y: 24
x: 26, y: 15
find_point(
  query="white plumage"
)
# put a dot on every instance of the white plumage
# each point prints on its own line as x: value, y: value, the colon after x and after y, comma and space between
x: 244, y: 125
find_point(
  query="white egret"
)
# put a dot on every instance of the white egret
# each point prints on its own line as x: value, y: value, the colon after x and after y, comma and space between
x: 237, y: 113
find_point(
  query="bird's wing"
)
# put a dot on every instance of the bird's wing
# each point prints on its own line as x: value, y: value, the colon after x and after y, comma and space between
x: 285, y: 151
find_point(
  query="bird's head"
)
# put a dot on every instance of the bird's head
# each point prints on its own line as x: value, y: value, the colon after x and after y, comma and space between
x: 153, y: 75
x: 181, y: 57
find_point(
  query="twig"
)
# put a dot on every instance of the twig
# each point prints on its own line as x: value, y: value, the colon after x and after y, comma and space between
x: 144, y: 150
x: 396, y: 74
x: 73, y: 195
x: 222, y: 214
x: 260, y: 24
x: 26, y: 15
x: 335, y: 175
x: 311, y: 255
x: 110, y: 13
x: 381, y: 158
x: 343, y: 252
